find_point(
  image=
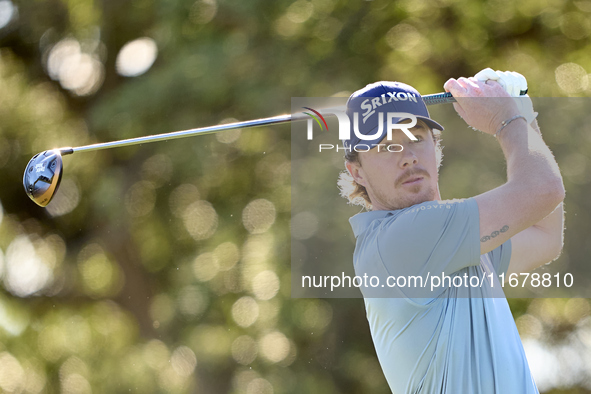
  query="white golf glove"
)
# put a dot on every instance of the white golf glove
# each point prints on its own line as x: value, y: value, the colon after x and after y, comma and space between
x: 513, y: 83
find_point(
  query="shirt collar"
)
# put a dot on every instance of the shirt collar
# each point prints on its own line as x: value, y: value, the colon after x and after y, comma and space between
x: 361, y: 221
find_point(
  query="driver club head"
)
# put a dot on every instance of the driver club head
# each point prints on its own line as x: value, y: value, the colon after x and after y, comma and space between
x: 42, y: 176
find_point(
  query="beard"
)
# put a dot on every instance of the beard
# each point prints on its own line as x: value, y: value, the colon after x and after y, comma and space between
x: 404, y: 196
x: 415, y: 195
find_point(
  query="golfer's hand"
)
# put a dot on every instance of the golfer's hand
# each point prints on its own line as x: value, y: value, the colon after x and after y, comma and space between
x: 483, y: 105
x: 514, y: 83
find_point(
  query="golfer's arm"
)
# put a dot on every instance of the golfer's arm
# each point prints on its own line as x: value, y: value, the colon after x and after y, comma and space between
x: 533, y: 189
x: 538, y: 244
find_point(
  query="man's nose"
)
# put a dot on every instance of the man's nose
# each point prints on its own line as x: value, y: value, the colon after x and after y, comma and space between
x: 408, y: 158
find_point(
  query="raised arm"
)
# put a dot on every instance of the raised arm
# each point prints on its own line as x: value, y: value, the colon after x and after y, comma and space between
x: 540, y: 243
x: 534, y: 186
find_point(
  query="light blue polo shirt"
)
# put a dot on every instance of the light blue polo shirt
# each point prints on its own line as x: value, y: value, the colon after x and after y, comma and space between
x: 454, y: 340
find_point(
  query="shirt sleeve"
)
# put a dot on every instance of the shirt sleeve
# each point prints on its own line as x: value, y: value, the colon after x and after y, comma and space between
x: 500, y: 257
x: 434, y: 237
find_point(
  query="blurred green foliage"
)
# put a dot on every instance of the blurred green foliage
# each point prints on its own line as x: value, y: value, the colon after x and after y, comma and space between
x: 166, y: 267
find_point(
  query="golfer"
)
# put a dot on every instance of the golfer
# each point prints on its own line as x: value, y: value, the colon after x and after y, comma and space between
x: 450, y: 339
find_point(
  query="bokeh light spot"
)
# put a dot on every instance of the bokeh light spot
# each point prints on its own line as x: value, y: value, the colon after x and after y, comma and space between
x: 256, y: 252
x: 529, y: 326
x: 100, y: 276
x: 575, y: 25
x: 574, y: 167
x: 268, y: 313
x: 571, y: 78
x: 211, y: 342
x: 73, y: 366
x: 265, y: 285
x: 26, y: 271
x: 286, y: 28
x: 313, y: 314
x: 274, y: 346
x: 205, y: 267
x: 60, y: 54
x: 183, y: 361
x: 259, y: 386
x: 84, y: 76
x: 245, y: 311
x: 499, y: 11
x: 51, y: 342
x: 182, y: 197
x: 81, y: 73
x: 227, y: 255
x: 258, y: 216
x: 136, y: 57
x: 300, y: 11
x: 12, y: 375
x: 403, y: 37
x: 7, y: 12
x: 77, y: 333
x: 328, y: 29
x: 156, y: 354
x: 200, y: 220
x: 140, y: 199
x: 192, y: 301
x: 576, y: 309
x: 157, y: 169
x: 75, y: 384
x: 242, y: 378
x: 228, y: 136
x: 162, y: 309
x: 244, y: 350
x: 304, y: 225
x: 203, y: 11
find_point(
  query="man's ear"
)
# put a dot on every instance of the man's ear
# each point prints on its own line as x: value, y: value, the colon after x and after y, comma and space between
x: 356, y: 172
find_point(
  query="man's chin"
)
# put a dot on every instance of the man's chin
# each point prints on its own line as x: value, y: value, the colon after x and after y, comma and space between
x: 405, y: 197
x: 418, y: 198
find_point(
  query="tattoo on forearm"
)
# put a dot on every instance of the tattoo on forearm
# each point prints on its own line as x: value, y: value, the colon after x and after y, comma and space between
x: 494, y: 234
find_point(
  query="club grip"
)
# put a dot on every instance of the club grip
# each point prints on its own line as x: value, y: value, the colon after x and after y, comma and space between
x: 441, y: 98
x: 438, y: 98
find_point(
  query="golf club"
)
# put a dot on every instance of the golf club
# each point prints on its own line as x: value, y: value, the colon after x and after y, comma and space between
x: 44, y: 171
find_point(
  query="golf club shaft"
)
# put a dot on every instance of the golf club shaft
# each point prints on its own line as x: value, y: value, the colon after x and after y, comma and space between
x: 431, y: 99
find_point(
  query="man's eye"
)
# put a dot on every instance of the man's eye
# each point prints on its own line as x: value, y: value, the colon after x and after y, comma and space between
x: 419, y: 138
x: 392, y: 148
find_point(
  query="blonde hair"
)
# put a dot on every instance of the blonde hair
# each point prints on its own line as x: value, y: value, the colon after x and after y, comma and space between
x: 355, y: 193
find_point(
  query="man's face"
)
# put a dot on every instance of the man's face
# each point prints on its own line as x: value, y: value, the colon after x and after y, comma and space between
x: 396, y: 180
